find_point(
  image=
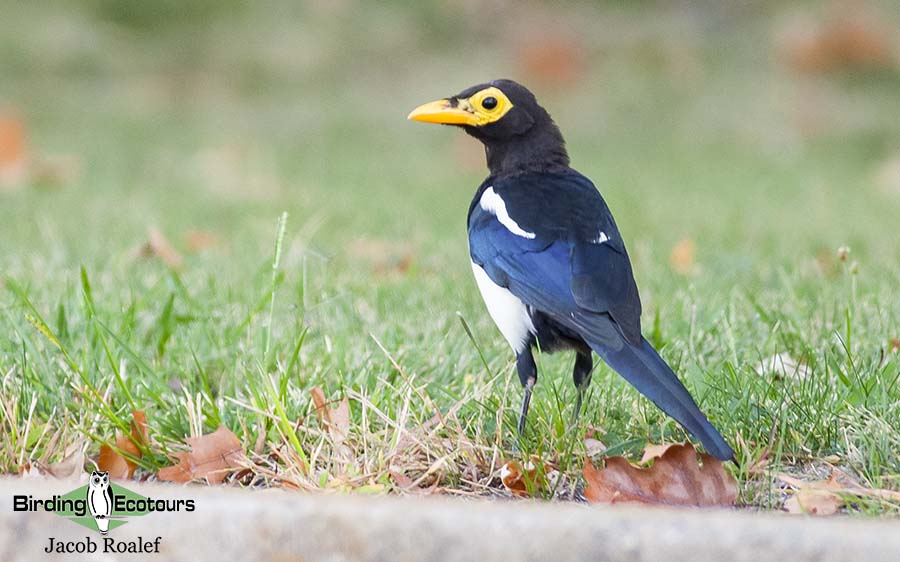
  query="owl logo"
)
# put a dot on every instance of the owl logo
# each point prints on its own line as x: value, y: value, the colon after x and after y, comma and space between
x: 100, y: 500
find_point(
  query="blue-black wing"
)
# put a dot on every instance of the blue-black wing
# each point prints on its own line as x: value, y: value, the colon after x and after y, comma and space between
x: 575, y: 261
x: 560, y: 253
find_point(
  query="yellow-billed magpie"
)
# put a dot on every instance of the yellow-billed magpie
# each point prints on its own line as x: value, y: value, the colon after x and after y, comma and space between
x: 548, y: 257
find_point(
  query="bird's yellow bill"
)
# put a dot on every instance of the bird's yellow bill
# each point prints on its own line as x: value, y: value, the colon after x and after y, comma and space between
x: 442, y: 112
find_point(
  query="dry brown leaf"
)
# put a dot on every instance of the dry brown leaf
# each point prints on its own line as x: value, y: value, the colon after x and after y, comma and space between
x: 18, y: 165
x: 197, y: 241
x: 819, y: 497
x: 212, y: 457
x: 516, y: 479
x: 402, y: 481
x: 336, y: 420
x: 682, y: 257
x: 593, y: 447
x: 70, y: 466
x: 652, y: 451
x: 676, y: 478
x: 825, y: 497
x: 895, y: 344
x: 117, y: 464
x: 158, y: 246
x: 13, y: 155
x: 12, y: 139
x: 851, y: 38
x: 260, y: 444
x: 72, y: 463
x: 814, y: 502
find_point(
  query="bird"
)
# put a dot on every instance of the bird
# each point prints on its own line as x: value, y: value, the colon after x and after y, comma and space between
x: 100, y: 500
x: 548, y: 258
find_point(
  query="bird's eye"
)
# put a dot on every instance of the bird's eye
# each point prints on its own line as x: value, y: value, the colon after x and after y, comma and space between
x: 489, y: 102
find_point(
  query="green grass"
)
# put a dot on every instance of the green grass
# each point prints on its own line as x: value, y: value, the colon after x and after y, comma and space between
x: 223, y: 128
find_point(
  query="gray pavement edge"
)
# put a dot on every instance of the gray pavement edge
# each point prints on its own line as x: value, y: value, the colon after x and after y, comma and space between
x: 230, y: 524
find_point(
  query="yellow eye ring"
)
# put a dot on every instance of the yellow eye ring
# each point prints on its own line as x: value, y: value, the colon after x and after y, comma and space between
x: 489, y: 105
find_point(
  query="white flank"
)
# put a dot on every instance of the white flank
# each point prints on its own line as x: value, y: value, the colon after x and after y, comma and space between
x: 492, y: 203
x: 508, y: 312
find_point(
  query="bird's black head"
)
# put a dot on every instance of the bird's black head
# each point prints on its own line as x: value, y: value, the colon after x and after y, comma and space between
x: 517, y: 133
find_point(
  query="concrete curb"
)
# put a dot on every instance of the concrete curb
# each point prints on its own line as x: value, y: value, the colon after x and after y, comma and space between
x: 240, y: 525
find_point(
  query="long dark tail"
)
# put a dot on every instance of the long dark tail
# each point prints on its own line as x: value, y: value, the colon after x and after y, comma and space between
x: 642, y: 366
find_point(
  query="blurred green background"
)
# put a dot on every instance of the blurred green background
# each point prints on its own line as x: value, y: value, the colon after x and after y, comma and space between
x: 716, y: 120
x: 739, y: 144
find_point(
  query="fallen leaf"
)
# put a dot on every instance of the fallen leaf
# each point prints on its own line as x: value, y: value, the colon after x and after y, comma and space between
x: 852, y: 38
x: 682, y: 257
x: 12, y: 138
x: 676, y: 478
x: 895, y: 345
x: 402, y: 481
x: 260, y: 444
x: 212, y: 456
x: 72, y: 463
x: 826, y: 497
x: 653, y: 451
x: 197, y: 241
x: 70, y: 466
x: 13, y: 155
x: 818, y: 497
x: 593, y: 447
x: 118, y: 465
x: 516, y: 478
x: 336, y: 420
x: 158, y: 246
x: 814, y: 502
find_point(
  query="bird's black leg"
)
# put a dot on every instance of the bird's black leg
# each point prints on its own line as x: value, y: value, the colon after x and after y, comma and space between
x: 528, y: 377
x: 584, y: 364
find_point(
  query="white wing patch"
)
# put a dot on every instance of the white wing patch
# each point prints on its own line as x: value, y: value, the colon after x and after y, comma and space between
x: 508, y: 312
x: 492, y: 203
x: 600, y: 239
